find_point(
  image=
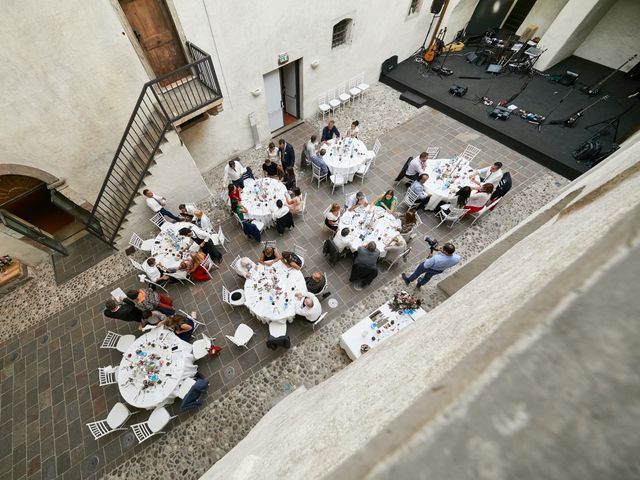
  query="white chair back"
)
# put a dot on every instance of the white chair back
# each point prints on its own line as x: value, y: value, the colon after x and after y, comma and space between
x: 208, y: 264
x: 470, y: 153
x: 111, y: 340
x: 320, y: 318
x: 158, y: 419
x: 106, y: 376
x: 136, y: 264
x: 341, y: 88
x: 433, y: 152
x: 454, y: 216
x: 376, y: 146
x: 316, y: 173
x: 243, y: 334
x: 269, y: 243
x: 158, y: 220
x: 235, y: 263
x: 185, y: 386
x: 226, y: 295
x: 393, y: 261
x: 136, y: 241
x: 409, y: 198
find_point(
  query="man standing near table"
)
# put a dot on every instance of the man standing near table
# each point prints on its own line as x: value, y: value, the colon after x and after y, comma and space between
x: 235, y: 173
x: 434, y: 265
x: 492, y: 174
x: 330, y: 132
x: 317, y: 159
x: 423, y: 195
x: 157, y: 204
x: 365, y: 266
x: 417, y: 166
x: 203, y: 240
x: 307, y: 307
x: 125, y: 311
x: 287, y: 155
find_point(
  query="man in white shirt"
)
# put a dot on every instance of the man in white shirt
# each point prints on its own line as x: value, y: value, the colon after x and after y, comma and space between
x: 417, y: 166
x: 307, y: 306
x: 311, y: 147
x: 235, y: 173
x: 280, y: 211
x: 492, y: 175
x: 354, y: 198
x: 157, y: 203
x: 341, y: 240
x: 152, y: 271
x: 186, y: 211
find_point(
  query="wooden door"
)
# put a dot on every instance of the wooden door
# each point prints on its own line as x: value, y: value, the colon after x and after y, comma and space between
x: 154, y: 29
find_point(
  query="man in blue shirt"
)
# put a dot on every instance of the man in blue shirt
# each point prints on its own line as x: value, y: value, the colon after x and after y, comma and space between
x: 422, y: 194
x: 434, y: 265
x: 329, y: 132
x: 287, y: 155
x: 318, y: 161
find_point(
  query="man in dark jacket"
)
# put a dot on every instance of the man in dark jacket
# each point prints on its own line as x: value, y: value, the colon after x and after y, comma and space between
x: 365, y: 267
x: 126, y: 311
x: 287, y: 155
x: 329, y: 132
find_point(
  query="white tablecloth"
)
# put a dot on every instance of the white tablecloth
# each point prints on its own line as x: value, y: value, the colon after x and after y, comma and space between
x: 259, y: 198
x: 269, y: 293
x: 345, y: 156
x: 446, y: 176
x: 169, y: 248
x: 366, y: 225
x: 159, y: 359
x: 374, y: 331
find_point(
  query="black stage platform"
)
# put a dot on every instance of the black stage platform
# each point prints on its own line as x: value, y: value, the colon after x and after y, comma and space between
x: 551, y: 145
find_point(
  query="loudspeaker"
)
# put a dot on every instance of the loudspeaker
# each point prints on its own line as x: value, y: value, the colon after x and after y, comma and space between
x: 389, y: 64
x: 568, y: 78
x: 436, y: 6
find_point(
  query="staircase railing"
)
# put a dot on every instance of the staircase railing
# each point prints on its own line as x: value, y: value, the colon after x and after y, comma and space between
x: 162, y: 102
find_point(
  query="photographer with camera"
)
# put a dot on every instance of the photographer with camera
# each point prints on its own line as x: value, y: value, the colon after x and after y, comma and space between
x: 434, y: 264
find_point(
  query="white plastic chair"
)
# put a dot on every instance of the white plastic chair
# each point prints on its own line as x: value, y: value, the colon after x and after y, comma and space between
x: 137, y: 242
x: 333, y: 100
x: 300, y: 252
x: 158, y: 220
x: 228, y: 297
x: 361, y: 85
x: 433, y: 152
x: 269, y: 244
x: 316, y: 173
x: 363, y: 169
x: 343, y: 96
x: 354, y: 91
x: 192, y: 316
x: 485, y: 210
x: 243, y: 334
x: 118, y: 416
x: 158, y: 419
x: 337, y: 181
x: 454, y: 216
x: 326, y: 283
x: 136, y: 265
x: 143, y: 278
x: 181, y: 277
x: 320, y: 318
x: 119, y: 342
x: 208, y: 265
x: 107, y: 376
x: 373, y: 153
x: 219, y: 239
x: 403, y: 255
x: 277, y: 329
x: 470, y: 153
x: 234, y: 264
x: 185, y: 386
x: 200, y: 348
x: 409, y: 198
x: 323, y: 106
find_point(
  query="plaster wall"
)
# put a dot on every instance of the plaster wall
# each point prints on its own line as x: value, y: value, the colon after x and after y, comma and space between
x: 457, y: 16
x: 615, y: 38
x: 70, y: 81
x: 337, y: 423
x: 542, y: 14
x: 245, y: 41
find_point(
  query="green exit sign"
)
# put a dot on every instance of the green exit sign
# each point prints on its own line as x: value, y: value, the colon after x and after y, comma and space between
x: 283, y: 58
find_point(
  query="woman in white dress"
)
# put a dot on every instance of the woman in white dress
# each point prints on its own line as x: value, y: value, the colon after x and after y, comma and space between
x: 354, y: 130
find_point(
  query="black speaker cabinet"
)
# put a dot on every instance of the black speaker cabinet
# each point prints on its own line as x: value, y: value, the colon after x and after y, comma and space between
x: 436, y: 6
x: 389, y: 64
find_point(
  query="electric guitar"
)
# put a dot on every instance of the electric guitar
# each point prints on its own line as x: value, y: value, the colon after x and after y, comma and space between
x: 569, y: 122
x: 593, y: 90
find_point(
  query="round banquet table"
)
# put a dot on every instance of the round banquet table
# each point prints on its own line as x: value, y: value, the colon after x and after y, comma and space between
x: 446, y: 176
x: 259, y: 198
x: 345, y: 156
x: 269, y: 293
x: 169, y: 248
x: 366, y: 225
x: 159, y: 360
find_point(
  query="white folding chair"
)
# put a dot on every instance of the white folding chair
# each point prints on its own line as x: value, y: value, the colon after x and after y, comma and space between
x: 243, y: 334
x: 326, y: 284
x: 192, y: 316
x: 235, y: 298
x: 304, y: 205
x: 234, y: 264
x: 143, y: 278
x: 137, y: 242
x: 363, y: 169
x: 219, y: 239
x: 180, y: 276
x: 208, y: 265
x: 470, y: 153
x: 107, y: 376
x: 158, y: 419
x: 409, y: 198
x: 354, y: 91
x: 158, y: 220
x: 185, y: 386
x: 433, y: 152
x: 117, y: 341
x: 343, y: 96
x: 454, y: 216
x: 136, y: 264
x: 316, y: 173
x: 277, y: 329
x: 485, y: 211
x: 118, y: 416
x: 200, y: 348
x: 332, y: 99
x: 320, y: 318
x: 372, y: 154
x: 493, y: 204
x: 300, y: 252
x: 403, y: 256
x: 269, y: 244
x: 361, y: 85
x: 323, y: 106
x: 337, y: 181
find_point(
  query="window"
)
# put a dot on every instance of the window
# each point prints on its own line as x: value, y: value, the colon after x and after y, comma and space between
x: 414, y: 7
x: 341, y: 32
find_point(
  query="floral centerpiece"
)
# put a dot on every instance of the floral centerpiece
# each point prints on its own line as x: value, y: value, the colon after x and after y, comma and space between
x: 145, y: 367
x: 5, y: 261
x: 403, y: 301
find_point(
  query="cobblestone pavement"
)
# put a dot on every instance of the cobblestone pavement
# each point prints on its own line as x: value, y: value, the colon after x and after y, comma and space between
x: 49, y: 355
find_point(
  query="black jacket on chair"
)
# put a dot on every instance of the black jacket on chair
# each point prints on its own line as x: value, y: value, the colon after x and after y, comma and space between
x: 504, y: 185
x: 404, y: 169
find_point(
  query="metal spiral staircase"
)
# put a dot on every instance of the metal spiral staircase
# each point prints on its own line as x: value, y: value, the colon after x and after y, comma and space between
x: 163, y: 103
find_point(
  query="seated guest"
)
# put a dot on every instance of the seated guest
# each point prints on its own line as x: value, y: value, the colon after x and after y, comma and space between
x: 235, y: 173
x: 311, y: 147
x: 151, y: 317
x: 153, y: 272
x: 182, y: 326
x: 315, y: 283
x: 423, y: 195
x: 332, y: 217
x: 408, y: 220
x: 200, y: 220
x: 354, y: 129
x: 282, y: 216
x: 270, y: 169
x: 192, y: 399
x: 492, y: 174
x: 307, y: 307
x: 186, y: 211
x: 365, y: 266
x: 234, y: 192
x: 318, y: 160
x: 291, y: 260
x: 273, y: 152
x: 193, y: 266
x: 126, y: 310
x: 203, y: 240
x: 245, y: 267
x: 289, y: 179
x: 147, y: 299
x: 394, y: 248
x: 249, y: 227
x: 295, y: 202
x: 356, y: 200
x: 417, y: 166
x: 329, y: 132
x: 386, y: 201
x: 459, y: 200
x: 269, y: 256
x: 341, y: 240
x: 478, y: 200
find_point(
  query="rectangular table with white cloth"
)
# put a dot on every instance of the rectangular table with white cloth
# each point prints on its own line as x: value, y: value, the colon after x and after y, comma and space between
x: 373, y: 330
x: 153, y: 367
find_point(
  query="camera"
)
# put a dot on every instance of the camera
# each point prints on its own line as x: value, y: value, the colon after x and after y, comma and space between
x: 433, y: 243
